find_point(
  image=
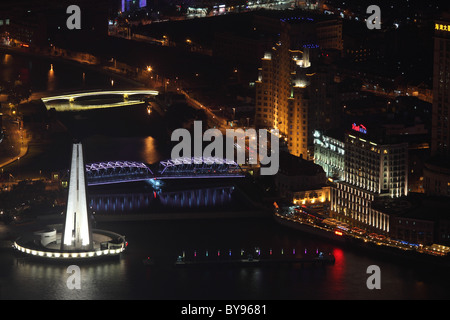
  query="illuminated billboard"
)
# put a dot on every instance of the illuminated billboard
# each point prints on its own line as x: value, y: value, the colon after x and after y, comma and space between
x: 359, y: 128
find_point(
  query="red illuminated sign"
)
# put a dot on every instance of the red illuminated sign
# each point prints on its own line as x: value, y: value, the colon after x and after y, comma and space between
x: 359, y: 128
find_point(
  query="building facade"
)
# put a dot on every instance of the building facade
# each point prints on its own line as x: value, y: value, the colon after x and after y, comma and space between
x: 281, y: 100
x: 414, y: 231
x: 297, y: 176
x: 372, y: 170
x: 437, y: 169
x: 440, y: 142
x: 329, y: 154
x: 296, y: 91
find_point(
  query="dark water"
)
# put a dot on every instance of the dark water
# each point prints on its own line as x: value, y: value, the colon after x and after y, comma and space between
x: 44, y: 75
x: 129, y: 278
x: 143, y: 199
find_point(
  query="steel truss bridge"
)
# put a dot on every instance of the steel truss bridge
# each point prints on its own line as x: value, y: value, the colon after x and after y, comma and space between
x: 111, y: 172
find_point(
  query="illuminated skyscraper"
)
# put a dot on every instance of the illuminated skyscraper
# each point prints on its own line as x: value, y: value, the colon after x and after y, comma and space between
x: 281, y: 100
x: 294, y: 89
x: 437, y: 169
x: 440, y: 142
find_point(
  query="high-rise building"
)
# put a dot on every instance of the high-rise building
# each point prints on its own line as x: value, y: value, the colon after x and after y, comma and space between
x: 281, y: 100
x: 437, y: 169
x: 304, y: 28
x: 294, y: 89
x: 440, y: 142
x: 374, y: 168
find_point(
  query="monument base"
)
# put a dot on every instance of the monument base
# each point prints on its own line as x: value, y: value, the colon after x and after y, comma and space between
x: 105, y: 244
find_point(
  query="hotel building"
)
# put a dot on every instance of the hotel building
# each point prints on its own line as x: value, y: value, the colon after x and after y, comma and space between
x: 281, y: 100
x: 373, y: 169
x: 437, y: 169
x: 294, y: 86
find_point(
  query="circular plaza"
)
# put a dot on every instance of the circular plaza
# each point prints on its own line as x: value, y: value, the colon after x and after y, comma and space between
x: 46, y: 244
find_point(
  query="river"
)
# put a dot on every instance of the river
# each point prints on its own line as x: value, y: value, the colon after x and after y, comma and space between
x: 164, y: 240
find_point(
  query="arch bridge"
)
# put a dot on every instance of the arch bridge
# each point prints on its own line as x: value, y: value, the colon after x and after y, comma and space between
x: 80, y: 101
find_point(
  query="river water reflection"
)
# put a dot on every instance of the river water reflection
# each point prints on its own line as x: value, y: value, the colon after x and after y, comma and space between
x: 164, y: 240
x: 129, y: 278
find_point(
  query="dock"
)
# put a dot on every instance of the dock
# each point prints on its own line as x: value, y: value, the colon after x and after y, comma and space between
x: 256, y: 262
x: 256, y: 259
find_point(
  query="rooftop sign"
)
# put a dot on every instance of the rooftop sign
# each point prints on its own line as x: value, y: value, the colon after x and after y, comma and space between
x: 359, y: 128
x: 441, y: 27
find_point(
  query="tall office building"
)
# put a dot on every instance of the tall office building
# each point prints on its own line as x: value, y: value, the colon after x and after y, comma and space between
x: 437, y: 169
x: 440, y: 142
x: 294, y: 93
x: 374, y: 168
x: 281, y: 100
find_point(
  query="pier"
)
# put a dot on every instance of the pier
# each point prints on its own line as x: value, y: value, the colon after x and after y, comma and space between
x: 255, y: 257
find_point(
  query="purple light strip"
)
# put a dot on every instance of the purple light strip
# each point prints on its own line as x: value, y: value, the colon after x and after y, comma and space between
x: 197, y: 160
x: 114, y: 165
x: 165, y: 178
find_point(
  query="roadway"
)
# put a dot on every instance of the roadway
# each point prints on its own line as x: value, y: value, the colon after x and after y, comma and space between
x: 15, y: 144
x: 340, y: 228
x: 216, y: 121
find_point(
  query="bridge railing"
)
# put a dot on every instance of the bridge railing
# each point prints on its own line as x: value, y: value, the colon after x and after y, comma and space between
x: 126, y: 171
x: 117, y: 171
x: 198, y: 166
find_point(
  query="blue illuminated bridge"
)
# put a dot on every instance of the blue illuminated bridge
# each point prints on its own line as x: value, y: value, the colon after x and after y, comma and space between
x: 111, y: 172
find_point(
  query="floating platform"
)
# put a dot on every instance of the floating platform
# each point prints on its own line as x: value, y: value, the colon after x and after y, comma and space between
x: 319, y: 259
x: 245, y: 262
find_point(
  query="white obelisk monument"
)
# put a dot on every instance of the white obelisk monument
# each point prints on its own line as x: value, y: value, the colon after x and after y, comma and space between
x: 77, y: 233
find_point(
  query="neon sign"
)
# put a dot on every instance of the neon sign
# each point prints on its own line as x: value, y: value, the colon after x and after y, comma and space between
x: 441, y: 27
x: 359, y: 128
